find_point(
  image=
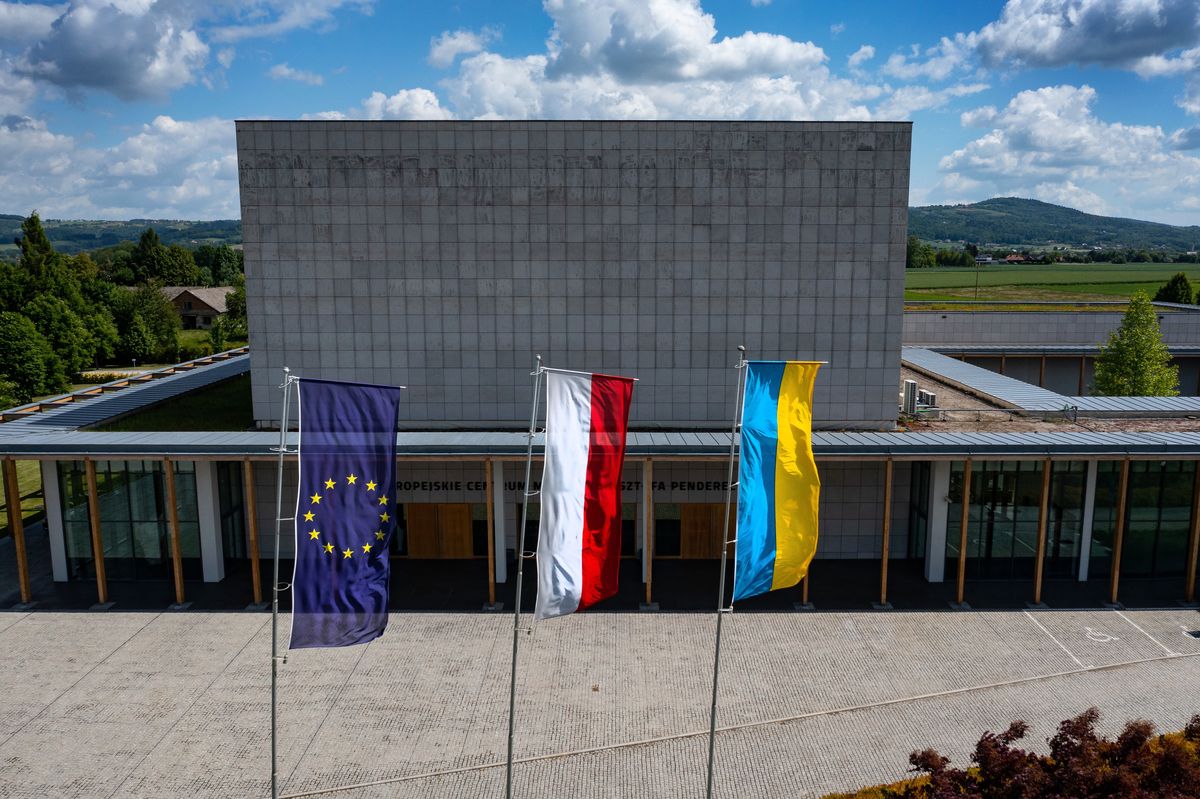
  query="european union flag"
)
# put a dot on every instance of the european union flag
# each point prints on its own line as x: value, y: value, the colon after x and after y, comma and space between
x: 345, y: 512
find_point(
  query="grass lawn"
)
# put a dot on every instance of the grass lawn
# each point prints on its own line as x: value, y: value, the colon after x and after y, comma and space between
x: 224, y: 406
x: 1051, y: 282
x: 29, y: 483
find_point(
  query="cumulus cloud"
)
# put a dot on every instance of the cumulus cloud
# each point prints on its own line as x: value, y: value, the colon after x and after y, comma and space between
x: 1048, y: 143
x: 1046, y: 33
x: 284, y: 72
x: 907, y: 100
x: 259, y: 18
x: 945, y: 59
x: 444, y: 49
x: 21, y: 23
x: 169, y: 168
x: 860, y: 56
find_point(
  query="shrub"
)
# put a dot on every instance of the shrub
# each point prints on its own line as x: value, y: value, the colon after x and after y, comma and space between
x: 191, y: 350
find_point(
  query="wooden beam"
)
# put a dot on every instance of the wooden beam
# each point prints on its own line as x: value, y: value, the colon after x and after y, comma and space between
x: 1043, y: 523
x: 1119, y: 535
x: 16, y: 526
x: 248, y: 500
x: 887, y: 529
x: 648, y: 521
x: 491, y: 533
x: 1194, y: 551
x: 962, y: 538
x: 89, y: 466
x: 173, y: 521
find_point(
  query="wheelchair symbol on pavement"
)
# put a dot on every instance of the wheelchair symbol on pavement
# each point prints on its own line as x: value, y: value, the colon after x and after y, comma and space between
x: 1099, y: 637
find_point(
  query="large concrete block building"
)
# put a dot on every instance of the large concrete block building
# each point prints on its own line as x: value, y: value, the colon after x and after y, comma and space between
x: 443, y: 255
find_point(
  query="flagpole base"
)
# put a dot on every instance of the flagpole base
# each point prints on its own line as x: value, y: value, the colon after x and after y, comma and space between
x: 648, y: 607
x: 803, y: 606
x: 493, y: 607
x: 960, y: 606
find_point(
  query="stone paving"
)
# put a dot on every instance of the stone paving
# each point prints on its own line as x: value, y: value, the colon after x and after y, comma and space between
x: 176, y: 704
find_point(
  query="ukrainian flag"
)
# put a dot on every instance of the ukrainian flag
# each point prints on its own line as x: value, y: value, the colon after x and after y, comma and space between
x: 778, y: 485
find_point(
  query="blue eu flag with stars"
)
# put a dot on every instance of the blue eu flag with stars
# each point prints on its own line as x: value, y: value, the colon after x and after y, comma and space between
x: 345, y: 512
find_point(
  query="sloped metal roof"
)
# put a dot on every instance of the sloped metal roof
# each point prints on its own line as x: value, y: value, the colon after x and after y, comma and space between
x: 1004, y: 391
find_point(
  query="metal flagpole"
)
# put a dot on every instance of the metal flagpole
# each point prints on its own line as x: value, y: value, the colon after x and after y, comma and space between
x: 512, y: 692
x: 288, y: 380
x: 721, y: 609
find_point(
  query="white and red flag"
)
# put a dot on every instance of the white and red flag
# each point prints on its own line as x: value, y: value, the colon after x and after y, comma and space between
x: 579, y: 537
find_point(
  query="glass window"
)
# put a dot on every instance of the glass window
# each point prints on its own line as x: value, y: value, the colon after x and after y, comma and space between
x: 1157, y: 518
x: 918, y: 510
x: 666, y: 530
x: 233, y: 510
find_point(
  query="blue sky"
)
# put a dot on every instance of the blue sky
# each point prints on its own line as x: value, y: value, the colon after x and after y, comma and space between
x: 124, y: 108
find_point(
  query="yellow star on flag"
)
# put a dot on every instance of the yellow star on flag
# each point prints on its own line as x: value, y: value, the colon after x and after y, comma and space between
x: 308, y: 517
x: 367, y: 548
x: 347, y: 553
x: 383, y: 500
x: 379, y: 535
x: 328, y: 548
x: 351, y: 479
x: 329, y: 483
x: 313, y: 535
x: 316, y: 499
x: 383, y: 517
x: 371, y: 485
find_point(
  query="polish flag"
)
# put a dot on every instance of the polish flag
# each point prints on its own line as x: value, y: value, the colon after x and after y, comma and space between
x: 579, y: 537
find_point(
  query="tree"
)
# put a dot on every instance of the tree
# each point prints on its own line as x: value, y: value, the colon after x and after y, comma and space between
x: 1135, y: 362
x: 918, y: 255
x: 223, y: 264
x: 218, y: 334
x: 149, y: 259
x: 36, y: 250
x: 27, y: 360
x: 180, y: 268
x: 64, y: 330
x: 157, y: 314
x: 1177, y: 289
x: 137, y: 344
x: 235, y: 308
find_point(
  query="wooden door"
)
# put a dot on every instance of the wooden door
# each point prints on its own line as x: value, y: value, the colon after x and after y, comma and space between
x: 439, y: 531
x: 700, y: 530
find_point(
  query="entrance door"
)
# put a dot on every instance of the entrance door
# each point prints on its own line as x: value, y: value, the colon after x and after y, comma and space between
x: 439, y: 532
x: 700, y: 530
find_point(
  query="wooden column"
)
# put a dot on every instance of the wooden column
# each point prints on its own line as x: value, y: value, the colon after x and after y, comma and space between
x: 173, y: 520
x: 648, y: 521
x: 1119, y: 535
x: 89, y: 466
x: 16, y: 526
x: 1082, y: 372
x: 1042, y: 373
x: 962, y: 538
x: 887, y: 529
x: 1194, y: 551
x: 804, y: 586
x: 252, y: 528
x: 1043, y: 514
x: 1003, y: 359
x: 491, y: 533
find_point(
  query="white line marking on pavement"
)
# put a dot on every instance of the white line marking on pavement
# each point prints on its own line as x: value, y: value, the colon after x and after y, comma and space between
x: 1143, y: 632
x: 1078, y: 662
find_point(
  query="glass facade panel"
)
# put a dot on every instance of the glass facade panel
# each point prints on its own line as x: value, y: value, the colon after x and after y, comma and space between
x: 918, y: 510
x: 233, y: 511
x: 1158, y: 518
x: 134, y: 521
x: 1002, y: 526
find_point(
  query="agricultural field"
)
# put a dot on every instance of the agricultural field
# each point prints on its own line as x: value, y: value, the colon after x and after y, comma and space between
x: 1043, y: 283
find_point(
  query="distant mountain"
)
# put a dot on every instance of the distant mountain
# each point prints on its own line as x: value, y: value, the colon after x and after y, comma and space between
x: 72, y: 236
x: 1011, y: 220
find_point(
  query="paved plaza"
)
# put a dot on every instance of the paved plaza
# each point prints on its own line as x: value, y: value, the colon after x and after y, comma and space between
x: 176, y: 704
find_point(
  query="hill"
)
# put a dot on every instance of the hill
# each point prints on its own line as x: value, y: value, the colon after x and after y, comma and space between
x: 72, y: 236
x: 1011, y: 220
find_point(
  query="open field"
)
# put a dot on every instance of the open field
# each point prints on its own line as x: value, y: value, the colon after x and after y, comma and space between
x: 1051, y: 282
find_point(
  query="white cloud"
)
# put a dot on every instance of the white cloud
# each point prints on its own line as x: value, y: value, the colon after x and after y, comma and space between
x: 262, y: 18
x: 22, y: 23
x: 444, y: 49
x: 1039, y: 33
x: 284, y: 72
x: 860, y: 56
x: 760, y: 3
x: 168, y: 169
x: 1047, y: 143
x: 837, y: 28
x: 908, y: 99
x: 948, y: 57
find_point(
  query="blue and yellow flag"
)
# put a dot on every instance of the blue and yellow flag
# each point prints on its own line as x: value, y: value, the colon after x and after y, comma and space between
x: 778, y: 485
x: 345, y: 512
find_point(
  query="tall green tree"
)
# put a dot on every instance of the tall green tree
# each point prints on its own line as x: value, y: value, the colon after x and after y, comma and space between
x: 149, y: 259
x: 235, y: 308
x: 26, y: 359
x: 137, y: 343
x: 918, y: 254
x: 36, y: 250
x: 181, y: 268
x: 1135, y: 362
x: 64, y: 330
x: 1177, y: 289
x: 223, y: 264
x: 157, y: 314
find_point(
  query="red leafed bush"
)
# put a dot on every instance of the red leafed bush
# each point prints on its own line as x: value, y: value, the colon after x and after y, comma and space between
x: 1081, y: 765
